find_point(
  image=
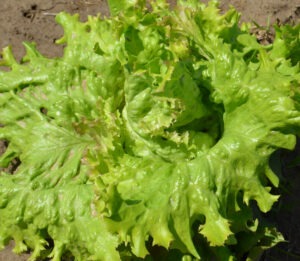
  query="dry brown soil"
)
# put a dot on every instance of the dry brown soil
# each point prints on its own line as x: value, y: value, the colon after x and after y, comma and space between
x: 34, y: 20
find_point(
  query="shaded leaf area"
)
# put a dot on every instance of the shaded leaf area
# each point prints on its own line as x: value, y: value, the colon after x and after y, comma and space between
x: 149, y: 138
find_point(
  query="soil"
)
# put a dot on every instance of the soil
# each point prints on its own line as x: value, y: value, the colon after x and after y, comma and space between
x: 34, y: 21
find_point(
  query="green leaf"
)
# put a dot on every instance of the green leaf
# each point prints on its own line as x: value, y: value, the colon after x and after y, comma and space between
x: 154, y: 129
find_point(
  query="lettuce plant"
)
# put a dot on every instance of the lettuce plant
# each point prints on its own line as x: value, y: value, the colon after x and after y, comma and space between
x: 149, y: 138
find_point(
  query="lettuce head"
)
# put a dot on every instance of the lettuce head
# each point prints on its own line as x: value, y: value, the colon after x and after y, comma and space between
x: 149, y: 138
